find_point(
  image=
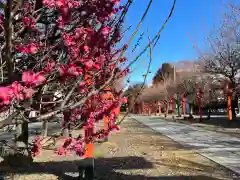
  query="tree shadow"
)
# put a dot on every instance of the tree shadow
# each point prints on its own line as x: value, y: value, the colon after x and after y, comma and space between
x: 217, y: 120
x: 223, y: 122
x: 105, y: 169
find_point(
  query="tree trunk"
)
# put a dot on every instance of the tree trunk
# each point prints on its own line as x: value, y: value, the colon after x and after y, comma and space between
x: 209, y: 113
x: 45, y: 128
x: 209, y: 105
x: 8, y: 30
x: 178, y: 108
x: 66, y: 126
x: 21, y: 135
x: 238, y: 105
x: 20, y: 155
x: 234, y: 106
x: 190, y: 110
x: 166, y: 109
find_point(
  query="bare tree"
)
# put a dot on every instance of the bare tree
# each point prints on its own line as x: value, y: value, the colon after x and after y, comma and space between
x: 224, y: 60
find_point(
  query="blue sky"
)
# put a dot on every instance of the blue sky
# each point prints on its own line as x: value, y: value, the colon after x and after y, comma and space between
x: 194, y: 17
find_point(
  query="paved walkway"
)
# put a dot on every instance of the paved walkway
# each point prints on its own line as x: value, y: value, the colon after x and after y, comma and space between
x: 221, y: 148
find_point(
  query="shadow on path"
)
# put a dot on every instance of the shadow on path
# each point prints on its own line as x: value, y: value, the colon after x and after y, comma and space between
x: 105, y: 169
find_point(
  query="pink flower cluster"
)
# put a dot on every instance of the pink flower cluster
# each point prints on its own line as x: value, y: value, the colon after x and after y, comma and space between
x: 71, y: 144
x: 87, y: 52
x: 14, y: 92
x: 31, y: 48
x: 33, y: 79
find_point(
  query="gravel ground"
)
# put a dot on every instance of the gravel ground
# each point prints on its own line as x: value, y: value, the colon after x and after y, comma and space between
x: 134, y: 153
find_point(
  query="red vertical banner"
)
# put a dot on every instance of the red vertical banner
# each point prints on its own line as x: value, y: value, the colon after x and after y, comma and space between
x: 229, y: 107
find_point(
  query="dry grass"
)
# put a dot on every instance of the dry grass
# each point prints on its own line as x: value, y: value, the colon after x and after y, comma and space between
x: 136, y: 153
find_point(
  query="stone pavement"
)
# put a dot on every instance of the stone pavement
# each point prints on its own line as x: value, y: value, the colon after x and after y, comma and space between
x: 220, y: 148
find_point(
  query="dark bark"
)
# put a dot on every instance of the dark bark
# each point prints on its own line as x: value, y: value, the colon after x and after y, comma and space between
x: 191, y: 111
x: 38, y: 4
x: 209, y: 113
x: 45, y: 128
x: 8, y: 37
x: 9, y: 120
x: 21, y: 139
x: 178, y: 109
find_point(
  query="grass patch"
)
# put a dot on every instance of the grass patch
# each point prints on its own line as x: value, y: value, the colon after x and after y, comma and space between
x: 98, y: 154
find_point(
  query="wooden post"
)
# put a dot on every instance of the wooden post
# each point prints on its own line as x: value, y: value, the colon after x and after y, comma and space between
x: 229, y: 107
x: 229, y: 91
x: 89, y: 145
x: 86, y: 169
